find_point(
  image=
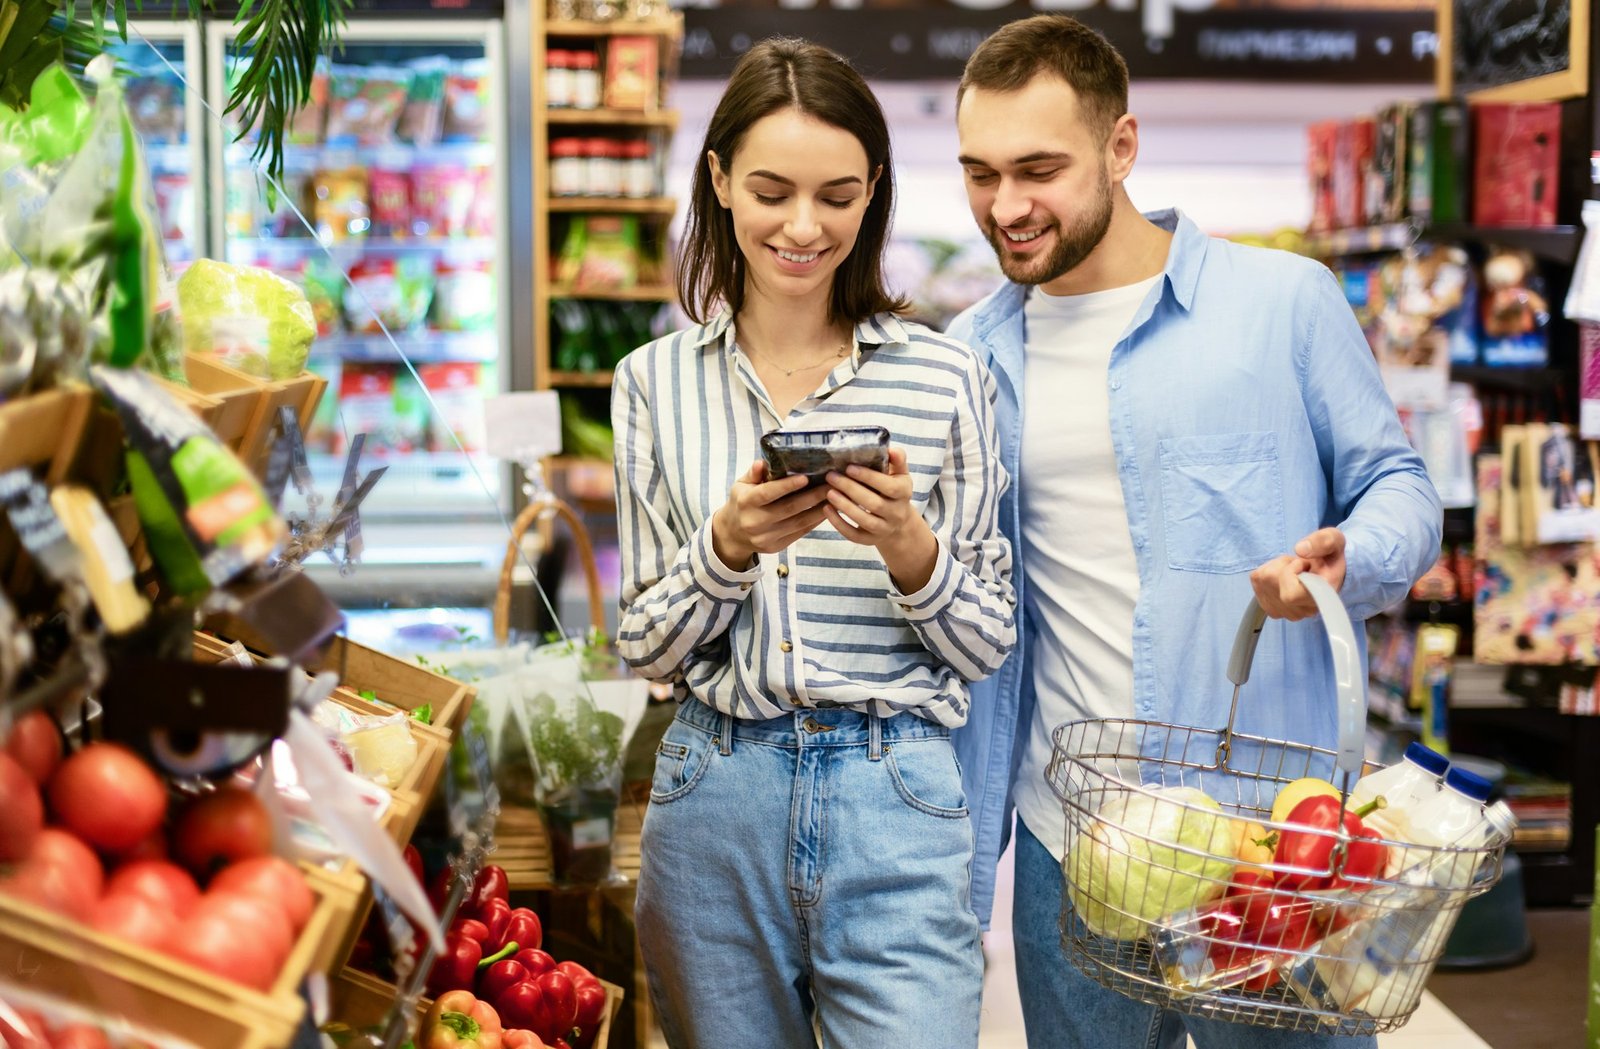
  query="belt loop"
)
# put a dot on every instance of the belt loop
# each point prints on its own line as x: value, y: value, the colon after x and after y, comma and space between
x: 726, y: 732
x: 874, y: 738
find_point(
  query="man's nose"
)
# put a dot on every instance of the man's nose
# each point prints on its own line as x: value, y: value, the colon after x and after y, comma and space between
x: 1011, y: 204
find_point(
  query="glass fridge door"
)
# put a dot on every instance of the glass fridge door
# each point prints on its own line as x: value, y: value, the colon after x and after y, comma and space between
x: 391, y: 216
x: 161, y: 61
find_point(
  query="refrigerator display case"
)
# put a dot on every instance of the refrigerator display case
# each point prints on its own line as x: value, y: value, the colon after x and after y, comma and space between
x: 160, y: 62
x: 391, y: 216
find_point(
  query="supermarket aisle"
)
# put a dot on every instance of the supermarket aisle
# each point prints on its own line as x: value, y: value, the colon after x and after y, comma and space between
x: 1433, y: 1026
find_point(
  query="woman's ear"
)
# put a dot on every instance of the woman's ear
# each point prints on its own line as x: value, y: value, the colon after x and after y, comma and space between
x: 719, y: 179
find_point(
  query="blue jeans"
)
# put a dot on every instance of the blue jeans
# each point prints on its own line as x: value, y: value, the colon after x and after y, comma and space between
x: 1063, y: 1008
x: 809, y: 874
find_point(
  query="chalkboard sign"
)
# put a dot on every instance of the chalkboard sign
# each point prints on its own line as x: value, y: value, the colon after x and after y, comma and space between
x: 1515, y: 49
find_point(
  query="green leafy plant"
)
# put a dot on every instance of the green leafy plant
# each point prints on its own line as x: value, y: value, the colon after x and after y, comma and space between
x: 283, y: 39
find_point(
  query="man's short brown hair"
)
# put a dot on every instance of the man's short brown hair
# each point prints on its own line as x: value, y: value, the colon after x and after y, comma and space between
x: 1057, y: 45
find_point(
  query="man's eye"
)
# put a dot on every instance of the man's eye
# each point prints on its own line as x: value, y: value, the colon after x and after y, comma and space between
x: 1045, y: 175
x: 980, y: 178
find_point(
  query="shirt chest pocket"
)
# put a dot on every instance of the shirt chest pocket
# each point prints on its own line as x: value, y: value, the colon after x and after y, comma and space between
x: 1223, y: 500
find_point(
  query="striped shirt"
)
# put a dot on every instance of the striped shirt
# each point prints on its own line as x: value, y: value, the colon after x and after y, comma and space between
x: 820, y: 623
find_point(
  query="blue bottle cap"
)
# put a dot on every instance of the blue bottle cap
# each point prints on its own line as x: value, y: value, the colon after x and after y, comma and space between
x: 1471, y: 784
x: 1430, y: 760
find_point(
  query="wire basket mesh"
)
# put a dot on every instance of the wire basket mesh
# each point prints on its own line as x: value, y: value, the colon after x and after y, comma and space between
x: 1338, y: 934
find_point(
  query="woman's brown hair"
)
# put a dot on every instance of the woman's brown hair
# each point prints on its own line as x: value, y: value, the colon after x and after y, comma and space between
x: 777, y: 74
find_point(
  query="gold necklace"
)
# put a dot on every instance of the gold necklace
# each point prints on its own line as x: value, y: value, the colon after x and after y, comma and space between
x: 839, y: 355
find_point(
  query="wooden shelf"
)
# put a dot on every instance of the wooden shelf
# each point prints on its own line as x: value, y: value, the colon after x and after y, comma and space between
x: 589, y: 380
x: 637, y: 293
x: 616, y: 205
x: 663, y: 118
x: 659, y: 27
x: 1554, y: 243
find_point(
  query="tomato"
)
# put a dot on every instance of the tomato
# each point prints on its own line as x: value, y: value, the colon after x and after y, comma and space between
x: 21, y: 811
x: 158, y: 881
x: 108, y: 796
x: 80, y: 1036
x: 35, y: 743
x: 152, y: 848
x: 210, y: 939
x: 136, y: 919
x: 253, y: 918
x: 270, y: 878
x: 60, y: 873
x: 223, y: 827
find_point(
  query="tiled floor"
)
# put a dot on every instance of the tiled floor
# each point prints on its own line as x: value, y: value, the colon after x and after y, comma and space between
x: 1431, y: 1027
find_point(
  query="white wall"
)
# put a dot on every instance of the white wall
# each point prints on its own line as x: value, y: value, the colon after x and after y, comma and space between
x: 1230, y: 155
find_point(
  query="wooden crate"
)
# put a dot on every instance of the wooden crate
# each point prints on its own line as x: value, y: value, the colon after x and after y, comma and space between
x: 400, y: 683
x: 40, y: 432
x: 522, y: 846
x: 247, y: 408
x: 349, y: 895
x: 66, y: 958
x: 362, y: 1000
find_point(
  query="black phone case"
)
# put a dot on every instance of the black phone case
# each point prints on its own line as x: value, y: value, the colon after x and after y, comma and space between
x: 815, y: 452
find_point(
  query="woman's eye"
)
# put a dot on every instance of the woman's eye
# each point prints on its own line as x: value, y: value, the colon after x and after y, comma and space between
x: 762, y: 198
x: 839, y: 203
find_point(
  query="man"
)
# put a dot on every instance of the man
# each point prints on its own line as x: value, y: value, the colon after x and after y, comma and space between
x: 1188, y: 422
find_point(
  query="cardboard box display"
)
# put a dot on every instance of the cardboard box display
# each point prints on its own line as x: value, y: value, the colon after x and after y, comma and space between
x: 1515, y: 176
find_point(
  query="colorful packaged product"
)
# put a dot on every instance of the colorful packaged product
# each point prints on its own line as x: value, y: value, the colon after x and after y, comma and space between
x: 364, y: 105
x: 457, y: 391
x: 410, y: 431
x: 1352, y: 162
x: 1514, y: 329
x: 340, y: 208
x: 307, y: 126
x: 1425, y: 322
x: 1386, y: 198
x: 464, y: 298
x: 442, y: 200
x: 1321, y: 139
x: 422, y: 119
x: 466, y: 104
x: 366, y: 405
x: 394, y: 289
x: 1439, y: 144
x: 1518, y: 148
x: 632, y: 73
x: 390, y: 193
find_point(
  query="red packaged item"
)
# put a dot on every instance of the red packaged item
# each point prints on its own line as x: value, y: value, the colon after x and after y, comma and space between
x: 390, y: 194
x: 481, y: 216
x: 442, y: 200
x: 1518, y: 147
x: 366, y: 405
x: 631, y: 73
x: 457, y: 392
x: 1320, y: 140
x: 466, y: 104
x: 1352, y: 162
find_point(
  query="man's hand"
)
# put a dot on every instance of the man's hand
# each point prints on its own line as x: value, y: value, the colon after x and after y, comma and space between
x: 1277, y: 583
x: 763, y: 516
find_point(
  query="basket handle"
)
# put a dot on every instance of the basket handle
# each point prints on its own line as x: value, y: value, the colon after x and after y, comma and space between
x: 525, y: 520
x: 1348, y: 685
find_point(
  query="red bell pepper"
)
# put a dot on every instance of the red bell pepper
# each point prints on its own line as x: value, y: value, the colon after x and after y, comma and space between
x: 496, y: 914
x: 591, y: 1011
x: 561, y: 1002
x: 535, y: 961
x: 1312, y: 848
x: 458, y: 1020
x: 577, y: 973
x: 472, y: 929
x: 490, y: 884
x: 517, y: 1038
x: 498, y: 977
x: 457, y: 968
x: 524, y: 929
x: 546, y: 1005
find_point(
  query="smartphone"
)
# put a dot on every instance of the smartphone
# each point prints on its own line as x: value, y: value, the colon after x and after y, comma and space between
x: 815, y: 452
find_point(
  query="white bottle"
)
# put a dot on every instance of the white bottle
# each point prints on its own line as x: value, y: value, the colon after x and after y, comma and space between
x: 1452, y: 818
x: 1404, y: 785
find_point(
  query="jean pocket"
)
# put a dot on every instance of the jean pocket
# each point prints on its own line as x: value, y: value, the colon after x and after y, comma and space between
x: 927, y: 778
x: 1222, y: 495
x: 680, y: 764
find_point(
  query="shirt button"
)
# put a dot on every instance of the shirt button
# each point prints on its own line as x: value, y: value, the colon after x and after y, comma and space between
x: 785, y: 646
x: 783, y: 571
x: 1115, y: 385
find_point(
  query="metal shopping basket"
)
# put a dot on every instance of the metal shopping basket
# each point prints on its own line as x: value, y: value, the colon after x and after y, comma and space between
x: 1147, y: 909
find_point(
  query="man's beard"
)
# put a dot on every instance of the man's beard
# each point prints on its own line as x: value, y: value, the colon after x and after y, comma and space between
x: 1073, y: 245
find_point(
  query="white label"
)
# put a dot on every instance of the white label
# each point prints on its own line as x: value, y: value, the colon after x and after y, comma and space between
x: 523, y: 427
x: 589, y: 834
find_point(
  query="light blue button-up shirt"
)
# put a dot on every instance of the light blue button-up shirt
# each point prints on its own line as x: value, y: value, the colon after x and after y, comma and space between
x: 1246, y: 412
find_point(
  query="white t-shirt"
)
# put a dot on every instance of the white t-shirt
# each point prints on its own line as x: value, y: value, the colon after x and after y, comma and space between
x: 1082, y: 578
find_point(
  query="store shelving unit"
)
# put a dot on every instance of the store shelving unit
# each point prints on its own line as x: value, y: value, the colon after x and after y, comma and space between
x: 655, y: 212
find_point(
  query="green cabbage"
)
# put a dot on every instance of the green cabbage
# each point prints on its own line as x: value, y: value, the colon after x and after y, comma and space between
x: 219, y: 301
x: 1121, y: 874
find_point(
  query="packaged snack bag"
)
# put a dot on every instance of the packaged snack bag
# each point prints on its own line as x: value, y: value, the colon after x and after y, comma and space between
x: 306, y: 126
x: 340, y: 209
x: 466, y: 103
x: 390, y: 192
x: 422, y: 119
x: 410, y: 432
x: 442, y: 200
x: 464, y: 298
x: 457, y: 391
x: 366, y: 405
x: 396, y: 290
x: 365, y: 104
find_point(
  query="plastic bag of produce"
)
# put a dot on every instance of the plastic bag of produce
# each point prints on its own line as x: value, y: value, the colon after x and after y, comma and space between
x: 1148, y: 853
x: 219, y: 300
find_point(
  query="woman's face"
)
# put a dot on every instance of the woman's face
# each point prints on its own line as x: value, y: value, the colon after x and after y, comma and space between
x: 797, y: 189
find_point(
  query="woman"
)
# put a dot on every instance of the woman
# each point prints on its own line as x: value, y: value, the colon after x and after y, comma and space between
x: 807, y: 850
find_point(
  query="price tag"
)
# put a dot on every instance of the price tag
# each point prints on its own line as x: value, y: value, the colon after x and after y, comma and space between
x: 27, y: 505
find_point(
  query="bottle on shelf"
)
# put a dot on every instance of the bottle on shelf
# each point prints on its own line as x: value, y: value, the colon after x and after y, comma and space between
x: 639, y: 180
x: 604, y: 169
x: 584, y: 67
x: 558, y: 78
x: 569, y: 167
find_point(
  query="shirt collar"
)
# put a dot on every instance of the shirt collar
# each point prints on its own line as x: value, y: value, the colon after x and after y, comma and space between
x: 880, y: 329
x: 1188, y: 251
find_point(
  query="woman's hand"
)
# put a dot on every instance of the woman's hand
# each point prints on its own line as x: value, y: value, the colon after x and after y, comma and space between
x: 874, y: 509
x: 763, y: 516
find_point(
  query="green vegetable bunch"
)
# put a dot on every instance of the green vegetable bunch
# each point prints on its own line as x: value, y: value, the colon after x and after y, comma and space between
x: 574, y: 743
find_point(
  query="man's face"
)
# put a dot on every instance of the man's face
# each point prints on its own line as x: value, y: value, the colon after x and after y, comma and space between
x: 1036, y: 176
